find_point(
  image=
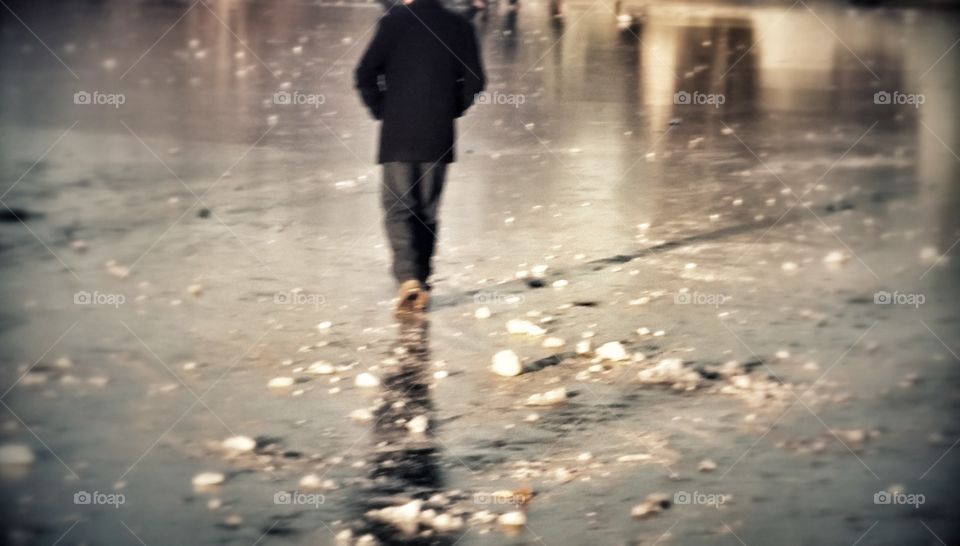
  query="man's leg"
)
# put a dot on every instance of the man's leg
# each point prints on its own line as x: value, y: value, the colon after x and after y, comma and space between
x: 400, y: 201
x: 429, y: 189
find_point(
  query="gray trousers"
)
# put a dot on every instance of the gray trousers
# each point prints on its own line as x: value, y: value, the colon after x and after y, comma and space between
x: 411, y: 197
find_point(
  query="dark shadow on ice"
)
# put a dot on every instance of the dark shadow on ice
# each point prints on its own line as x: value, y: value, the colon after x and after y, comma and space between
x: 404, y: 463
x: 521, y: 285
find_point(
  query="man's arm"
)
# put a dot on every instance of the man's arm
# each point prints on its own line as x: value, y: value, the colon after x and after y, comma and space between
x: 472, y: 79
x: 371, y: 66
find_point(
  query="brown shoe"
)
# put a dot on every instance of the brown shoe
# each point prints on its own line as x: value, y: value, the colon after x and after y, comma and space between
x: 408, y: 295
x: 423, y: 300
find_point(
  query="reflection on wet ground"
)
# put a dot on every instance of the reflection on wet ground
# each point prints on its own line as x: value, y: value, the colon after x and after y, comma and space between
x: 723, y: 189
x: 405, y: 459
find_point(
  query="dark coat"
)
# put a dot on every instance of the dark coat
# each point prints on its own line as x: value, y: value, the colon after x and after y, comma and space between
x: 419, y: 74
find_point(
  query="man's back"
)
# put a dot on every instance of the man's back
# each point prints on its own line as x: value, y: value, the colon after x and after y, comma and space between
x: 431, y: 67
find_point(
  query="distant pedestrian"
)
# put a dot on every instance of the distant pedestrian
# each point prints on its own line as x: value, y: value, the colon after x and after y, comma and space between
x: 419, y: 73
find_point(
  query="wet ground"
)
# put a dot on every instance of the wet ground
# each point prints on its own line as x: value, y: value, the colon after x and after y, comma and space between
x: 724, y: 190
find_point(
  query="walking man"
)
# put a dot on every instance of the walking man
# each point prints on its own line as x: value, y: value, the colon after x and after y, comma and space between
x: 419, y: 73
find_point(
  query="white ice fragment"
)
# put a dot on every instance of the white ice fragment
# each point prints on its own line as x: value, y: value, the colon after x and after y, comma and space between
x: 361, y: 415
x: 310, y: 482
x: 518, y: 326
x: 553, y: 343
x: 367, y: 540
x: 512, y: 519
x: 929, y: 255
x: 280, y: 382
x: 208, y: 479
x: 560, y: 283
x: 482, y: 313
x: 670, y: 371
x: 239, y: 444
x: 583, y: 347
x: 405, y: 516
x: 612, y: 350
x: 445, y: 523
x: 366, y: 380
x: 707, y: 465
x: 548, y: 398
x: 506, y: 363
x: 321, y: 367
x: 325, y: 325
x: 16, y: 455
x: 835, y: 258
x: 789, y: 266
x: 419, y: 424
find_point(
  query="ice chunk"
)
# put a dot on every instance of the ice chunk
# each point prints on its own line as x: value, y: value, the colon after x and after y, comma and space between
x: 239, y: 444
x: 518, y: 326
x: 548, y: 398
x: 404, y: 517
x: 280, y: 382
x: 507, y: 364
x: 361, y: 414
x: 419, y: 424
x: 553, y: 343
x: 513, y: 519
x: 16, y: 455
x: 205, y: 480
x: 321, y: 367
x: 366, y: 380
x: 612, y: 351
